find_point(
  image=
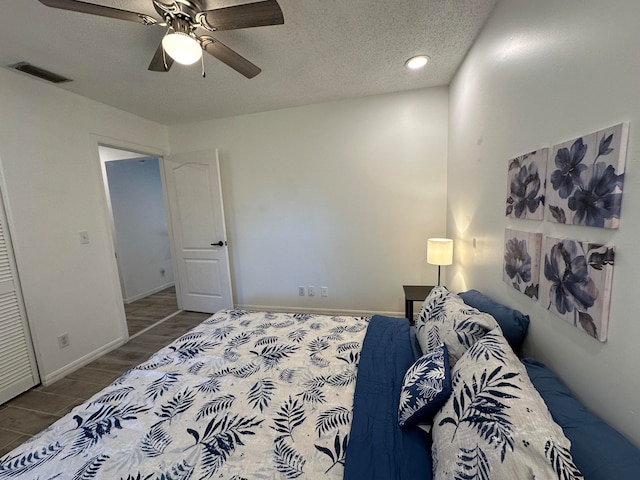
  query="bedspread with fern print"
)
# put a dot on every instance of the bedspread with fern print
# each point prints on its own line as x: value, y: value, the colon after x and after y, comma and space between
x: 244, y: 395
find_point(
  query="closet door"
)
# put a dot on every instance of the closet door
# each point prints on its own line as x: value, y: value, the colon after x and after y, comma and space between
x: 18, y: 371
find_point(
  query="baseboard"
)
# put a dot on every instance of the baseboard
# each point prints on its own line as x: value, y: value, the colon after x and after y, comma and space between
x: 47, y: 380
x: 150, y: 292
x: 318, y: 311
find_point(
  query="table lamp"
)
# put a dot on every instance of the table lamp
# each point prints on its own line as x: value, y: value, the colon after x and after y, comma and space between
x: 439, y: 252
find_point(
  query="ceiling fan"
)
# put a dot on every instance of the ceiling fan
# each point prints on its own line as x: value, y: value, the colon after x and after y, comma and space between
x: 184, y: 18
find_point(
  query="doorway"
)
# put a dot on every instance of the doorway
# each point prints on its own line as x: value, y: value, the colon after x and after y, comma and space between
x: 135, y: 197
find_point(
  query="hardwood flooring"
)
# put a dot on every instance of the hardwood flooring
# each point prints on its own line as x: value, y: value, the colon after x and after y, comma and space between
x: 36, y: 409
x: 147, y: 311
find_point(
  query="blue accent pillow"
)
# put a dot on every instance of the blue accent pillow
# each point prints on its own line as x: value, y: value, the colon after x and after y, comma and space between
x: 426, y: 387
x: 598, y: 450
x: 514, y: 324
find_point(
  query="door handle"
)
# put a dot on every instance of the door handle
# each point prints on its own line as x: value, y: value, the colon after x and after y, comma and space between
x: 219, y: 244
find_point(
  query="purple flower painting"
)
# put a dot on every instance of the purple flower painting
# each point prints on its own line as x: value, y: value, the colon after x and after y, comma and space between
x: 586, y: 176
x: 522, y: 261
x: 525, y: 190
x: 576, y: 284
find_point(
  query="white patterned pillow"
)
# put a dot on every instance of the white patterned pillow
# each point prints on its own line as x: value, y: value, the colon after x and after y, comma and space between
x: 426, y: 387
x: 495, y: 425
x: 445, y: 318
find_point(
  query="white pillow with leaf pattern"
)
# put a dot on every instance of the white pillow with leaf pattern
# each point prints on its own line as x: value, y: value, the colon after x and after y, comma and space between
x: 495, y: 425
x: 445, y: 318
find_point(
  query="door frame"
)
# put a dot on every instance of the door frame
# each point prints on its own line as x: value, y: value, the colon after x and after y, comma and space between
x: 102, y: 141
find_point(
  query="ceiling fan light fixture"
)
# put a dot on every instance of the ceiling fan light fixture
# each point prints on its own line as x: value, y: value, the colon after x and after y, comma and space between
x: 183, y: 48
x: 417, y: 62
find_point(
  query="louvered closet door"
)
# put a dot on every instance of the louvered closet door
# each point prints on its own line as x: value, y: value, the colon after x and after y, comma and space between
x: 18, y: 371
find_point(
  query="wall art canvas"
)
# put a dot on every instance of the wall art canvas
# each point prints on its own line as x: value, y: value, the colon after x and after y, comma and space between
x: 522, y: 261
x: 585, y: 179
x: 526, y: 179
x: 576, y: 284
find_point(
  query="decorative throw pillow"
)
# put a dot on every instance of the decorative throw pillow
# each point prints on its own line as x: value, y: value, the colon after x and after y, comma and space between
x: 426, y: 387
x: 495, y: 424
x: 445, y: 318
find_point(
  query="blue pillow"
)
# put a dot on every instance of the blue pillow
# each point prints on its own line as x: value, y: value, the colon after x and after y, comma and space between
x: 426, y: 387
x: 514, y: 324
x: 598, y: 450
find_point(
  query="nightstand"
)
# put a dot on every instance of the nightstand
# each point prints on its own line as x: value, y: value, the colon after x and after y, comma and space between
x: 414, y: 293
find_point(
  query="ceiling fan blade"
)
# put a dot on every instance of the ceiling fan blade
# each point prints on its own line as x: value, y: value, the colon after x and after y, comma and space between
x: 228, y: 56
x: 258, y: 14
x: 90, y: 8
x: 160, y: 62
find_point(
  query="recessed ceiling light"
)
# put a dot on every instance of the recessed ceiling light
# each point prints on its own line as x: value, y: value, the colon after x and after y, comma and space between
x: 417, y: 62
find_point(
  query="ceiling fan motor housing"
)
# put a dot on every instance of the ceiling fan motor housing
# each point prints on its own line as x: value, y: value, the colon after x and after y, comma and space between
x: 181, y: 25
x: 179, y: 14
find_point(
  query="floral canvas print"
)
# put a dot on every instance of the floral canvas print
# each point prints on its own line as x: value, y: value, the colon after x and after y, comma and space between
x: 576, y: 284
x: 522, y: 261
x: 526, y: 182
x: 586, y: 177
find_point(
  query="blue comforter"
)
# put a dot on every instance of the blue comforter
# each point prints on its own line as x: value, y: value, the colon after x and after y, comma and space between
x: 378, y: 448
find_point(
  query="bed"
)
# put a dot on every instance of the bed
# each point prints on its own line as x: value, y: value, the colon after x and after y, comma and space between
x: 258, y: 395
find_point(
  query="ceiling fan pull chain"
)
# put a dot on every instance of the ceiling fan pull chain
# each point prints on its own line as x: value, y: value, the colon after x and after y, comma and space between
x: 164, y: 60
x: 204, y: 74
x: 164, y: 54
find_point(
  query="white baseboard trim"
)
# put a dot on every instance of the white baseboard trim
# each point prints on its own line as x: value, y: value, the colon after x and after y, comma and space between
x: 47, y: 380
x: 150, y: 292
x: 318, y: 311
x: 90, y: 357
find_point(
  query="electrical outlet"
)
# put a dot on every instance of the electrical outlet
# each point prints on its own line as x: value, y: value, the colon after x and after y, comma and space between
x: 301, y: 291
x: 63, y: 340
x: 84, y: 237
x: 324, y: 291
x: 312, y: 290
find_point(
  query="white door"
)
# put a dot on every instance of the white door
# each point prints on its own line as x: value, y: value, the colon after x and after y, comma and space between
x: 200, y: 241
x: 18, y: 371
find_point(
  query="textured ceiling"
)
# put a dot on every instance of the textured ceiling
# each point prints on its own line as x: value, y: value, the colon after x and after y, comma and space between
x: 326, y: 50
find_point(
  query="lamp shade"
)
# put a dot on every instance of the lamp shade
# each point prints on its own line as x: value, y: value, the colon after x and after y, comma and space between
x: 182, y: 48
x: 440, y: 251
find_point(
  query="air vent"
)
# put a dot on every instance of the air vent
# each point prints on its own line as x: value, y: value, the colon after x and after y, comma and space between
x: 27, y: 68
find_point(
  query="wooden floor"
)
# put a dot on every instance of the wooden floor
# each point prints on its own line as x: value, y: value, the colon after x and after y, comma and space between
x: 147, y: 311
x: 38, y: 408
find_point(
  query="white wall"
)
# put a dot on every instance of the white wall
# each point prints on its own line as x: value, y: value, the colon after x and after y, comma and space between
x: 541, y: 73
x: 54, y: 190
x: 140, y: 220
x: 342, y: 195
